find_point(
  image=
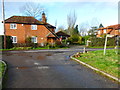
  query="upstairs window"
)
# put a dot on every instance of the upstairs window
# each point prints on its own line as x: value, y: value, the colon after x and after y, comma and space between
x: 13, y: 26
x: 14, y: 39
x: 34, y: 27
x: 34, y: 39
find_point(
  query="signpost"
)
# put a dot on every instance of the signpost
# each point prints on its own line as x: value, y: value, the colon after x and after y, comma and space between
x: 108, y: 35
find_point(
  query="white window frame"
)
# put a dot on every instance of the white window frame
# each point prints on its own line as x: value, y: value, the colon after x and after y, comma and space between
x: 33, y: 27
x: 105, y: 30
x: 14, y: 41
x: 35, y: 40
x: 12, y: 26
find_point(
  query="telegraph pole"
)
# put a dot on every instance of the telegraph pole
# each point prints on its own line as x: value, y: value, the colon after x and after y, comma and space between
x: 3, y: 15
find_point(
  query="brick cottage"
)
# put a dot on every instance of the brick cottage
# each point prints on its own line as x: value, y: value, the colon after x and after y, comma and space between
x: 21, y: 27
x: 113, y: 30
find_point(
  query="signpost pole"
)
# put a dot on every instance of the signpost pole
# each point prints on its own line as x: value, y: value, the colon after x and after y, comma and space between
x: 105, y: 45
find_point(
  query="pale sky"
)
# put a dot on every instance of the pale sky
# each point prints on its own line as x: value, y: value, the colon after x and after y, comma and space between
x: 91, y: 12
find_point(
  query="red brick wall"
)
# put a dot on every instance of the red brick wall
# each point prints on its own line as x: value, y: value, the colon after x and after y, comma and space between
x: 19, y: 32
x: 25, y: 31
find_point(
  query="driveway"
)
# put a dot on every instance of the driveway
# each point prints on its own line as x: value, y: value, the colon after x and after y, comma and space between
x: 51, y: 69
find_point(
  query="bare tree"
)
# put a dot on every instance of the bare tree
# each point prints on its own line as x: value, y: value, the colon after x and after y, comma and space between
x: 71, y: 20
x: 84, y: 28
x: 61, y: 28
x: 89, y: 27
x: 32, y: 9
x: 94, y: 22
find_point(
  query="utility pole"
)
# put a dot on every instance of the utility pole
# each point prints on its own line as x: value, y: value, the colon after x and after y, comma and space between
x: 3, y: 15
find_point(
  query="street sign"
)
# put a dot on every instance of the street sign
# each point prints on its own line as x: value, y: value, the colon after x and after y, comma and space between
x: 108, y: 35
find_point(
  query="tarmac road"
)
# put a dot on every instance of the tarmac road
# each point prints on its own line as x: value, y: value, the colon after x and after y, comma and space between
x: 50, y: 69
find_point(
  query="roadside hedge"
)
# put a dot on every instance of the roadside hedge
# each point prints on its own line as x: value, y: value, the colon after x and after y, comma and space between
x: 9, y: 43
x: 33, y: 45
x: 101, y: 41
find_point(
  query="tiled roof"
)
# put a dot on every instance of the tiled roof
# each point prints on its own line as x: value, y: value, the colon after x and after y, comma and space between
x: 49, y: 26
x: 23, y: 19
x: 116, y: 27
x: 60, y: 33
x: 50, y: 35
x: 29, y: 20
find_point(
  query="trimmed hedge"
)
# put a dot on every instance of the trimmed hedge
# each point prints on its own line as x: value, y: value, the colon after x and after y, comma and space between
x: 101, y: 41
x: 33, y: 45
x: 9, y: 43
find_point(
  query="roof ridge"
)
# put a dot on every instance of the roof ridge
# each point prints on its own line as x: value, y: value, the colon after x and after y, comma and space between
x: 21, y: 16
x: 22, y: 19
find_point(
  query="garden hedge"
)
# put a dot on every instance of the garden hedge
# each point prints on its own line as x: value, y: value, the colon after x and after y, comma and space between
x: 101, y: 41
x: 9, y: 43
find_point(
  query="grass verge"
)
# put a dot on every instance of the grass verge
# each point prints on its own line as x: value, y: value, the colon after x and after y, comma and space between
x: 108, y: 63
x: 2, y: 68
x: 101, y: 47
x: 30, y: 48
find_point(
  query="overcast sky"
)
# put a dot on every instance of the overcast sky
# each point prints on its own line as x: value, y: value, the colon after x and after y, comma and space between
x: 91, y: 13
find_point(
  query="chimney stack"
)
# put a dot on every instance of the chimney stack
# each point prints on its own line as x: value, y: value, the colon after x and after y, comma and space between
x: 44, y: 20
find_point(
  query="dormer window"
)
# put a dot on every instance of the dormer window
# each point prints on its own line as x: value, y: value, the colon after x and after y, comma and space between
x: 13, y: 26
x: 34, y: 27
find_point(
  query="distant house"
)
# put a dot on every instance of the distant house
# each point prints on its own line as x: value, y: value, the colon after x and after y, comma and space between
x: 62, y: 35
x: 113, y: 30
x: 21, y: 27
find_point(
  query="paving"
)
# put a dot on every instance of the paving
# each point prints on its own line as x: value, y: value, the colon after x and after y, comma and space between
x: 51, y: 69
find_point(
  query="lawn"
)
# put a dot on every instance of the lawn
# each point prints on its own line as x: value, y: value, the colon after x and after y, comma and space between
x: 101, y: 47
x: 2, y: 68
x: 108, y: 63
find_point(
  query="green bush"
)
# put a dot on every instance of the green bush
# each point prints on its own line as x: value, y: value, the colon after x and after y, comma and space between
x: 29, y: 43
x: 101, y: 41
x: 21, y: 48
x: 9, y: 43
x: 75, y: 39
x: 34, y: 45
x: 85, y: 38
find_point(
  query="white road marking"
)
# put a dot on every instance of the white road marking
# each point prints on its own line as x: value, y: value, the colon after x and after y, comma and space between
x: 43, y: 67
x: 36, y: 63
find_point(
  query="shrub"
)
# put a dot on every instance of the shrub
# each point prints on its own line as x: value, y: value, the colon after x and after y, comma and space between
x: 75, y: 39
x: 101, y: 41
x: 9, y: 43
x: 29, y: 43
x: 85, y: 38
x: 34, y: 45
